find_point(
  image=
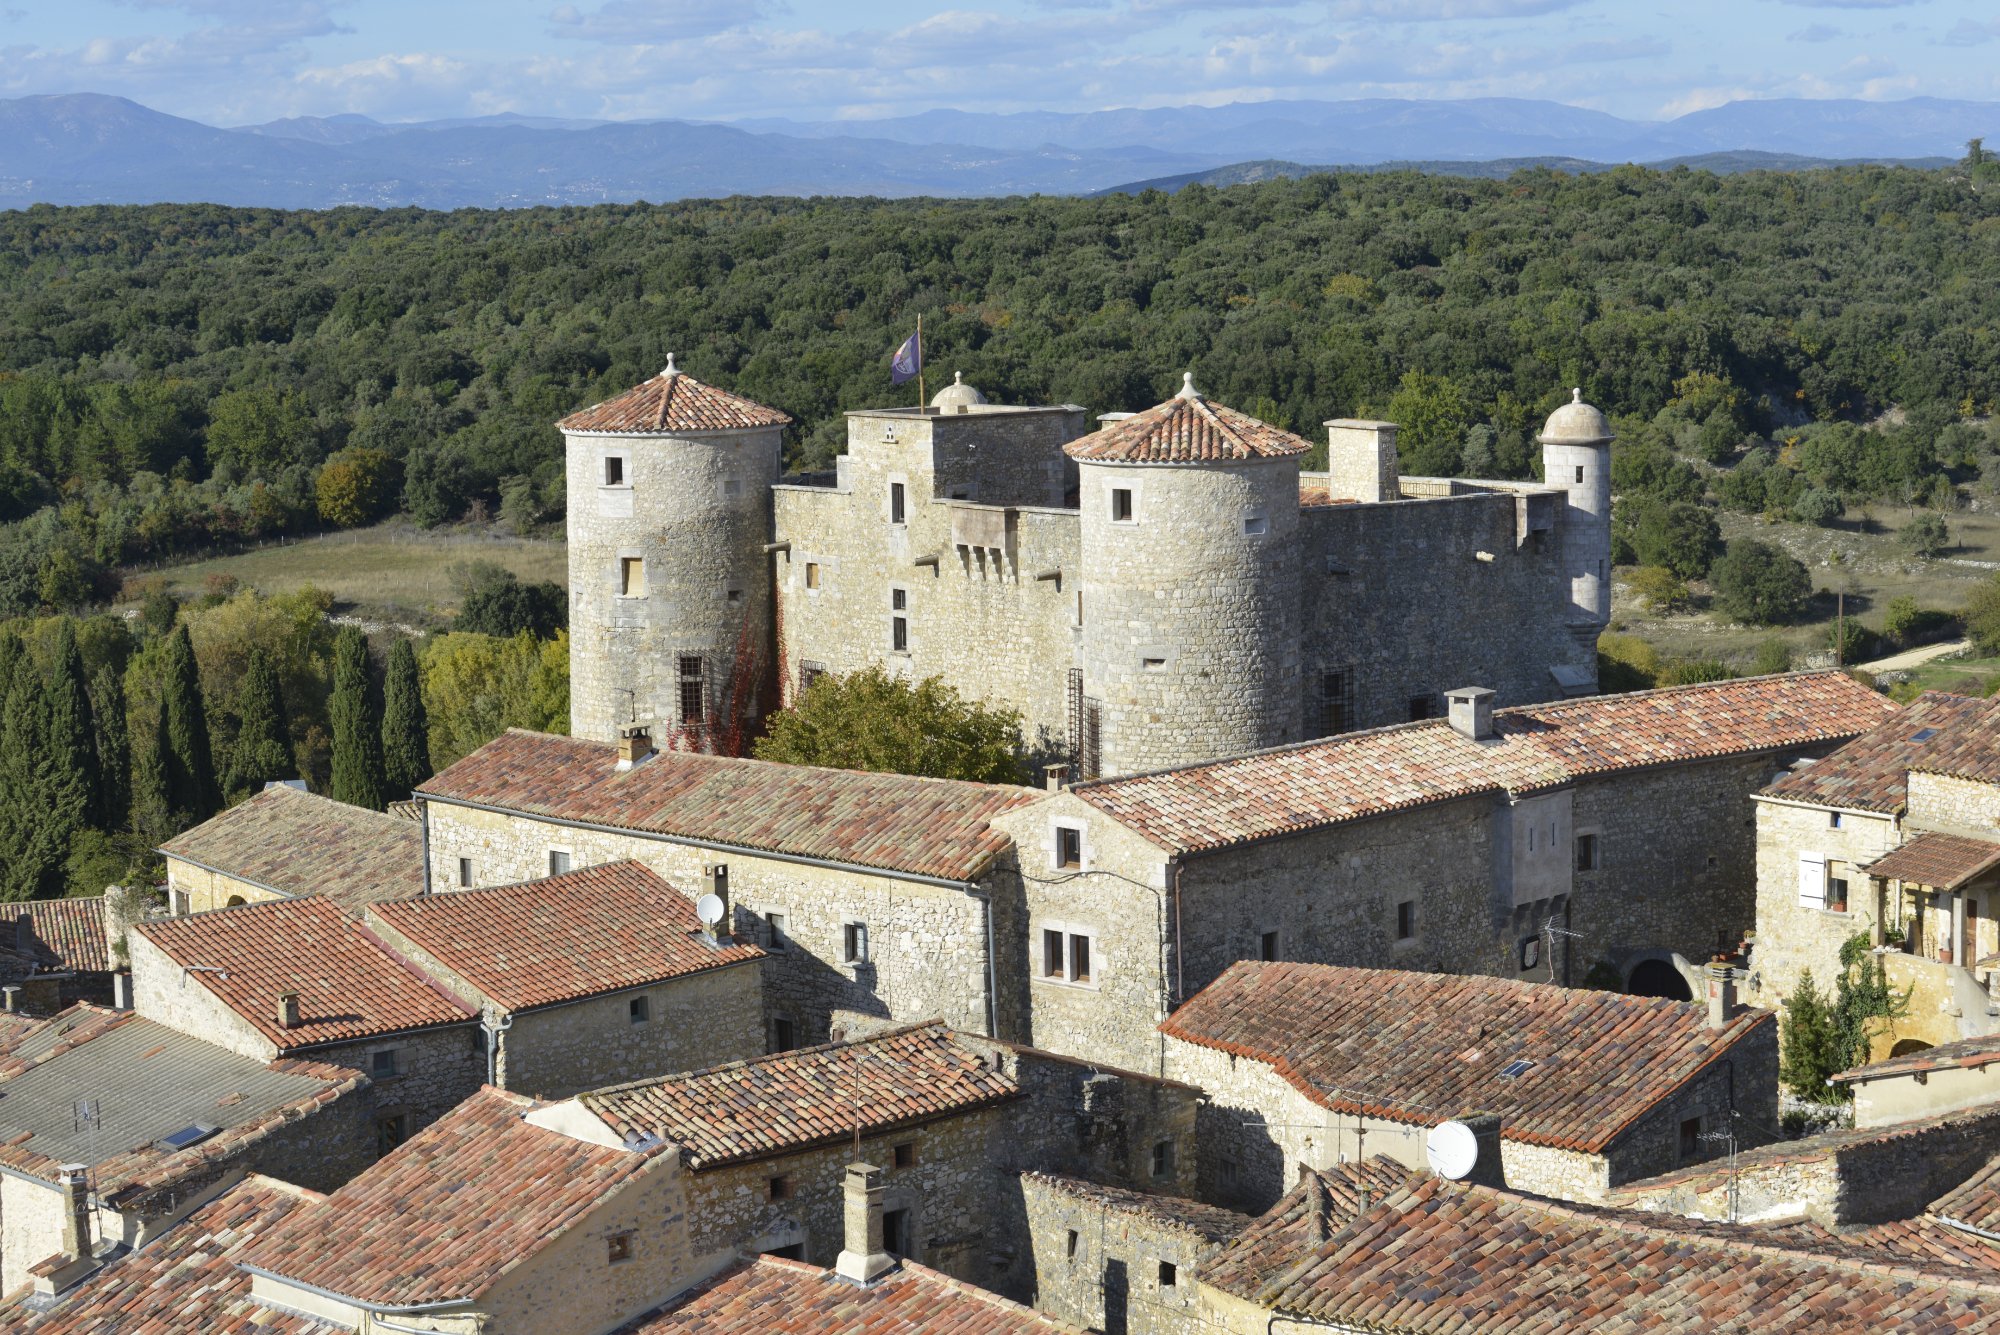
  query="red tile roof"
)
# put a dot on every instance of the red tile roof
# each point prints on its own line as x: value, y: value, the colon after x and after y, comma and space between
x: 1437, y: 1256
x: 184, y: 1281
x: 1966, y: 1053
x: 1362, y: 774
x: 1319, y: 1204
x: 66, y: 933
x: 1871, y: 773
x: 1209, y: 1223
x: 1186, y: 430
x: 350, y: 986
x: 598, y: 929
x: 295, y: 843
x: 449, y: 1212
x: 772, y: 1296
x: 926, y: 827
x: 670, y: 403
x: 1417, y: 1046
x: 810, y: 1096
x: 1827, y: 1145
x: 1942, y: 861
x: 1974, y: 1203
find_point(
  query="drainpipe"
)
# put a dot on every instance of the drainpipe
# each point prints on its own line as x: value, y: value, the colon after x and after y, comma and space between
x: 424, y: 822
x: 494, y: 1027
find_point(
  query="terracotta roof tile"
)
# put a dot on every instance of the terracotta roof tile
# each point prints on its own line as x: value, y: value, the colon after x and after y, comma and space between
x: 1363, y: 774
x: 449, y: 1212
x: 350, y: 985
x: 1277, y: 1239
x: 1923, y: 1241
x: 670, y: 403
x: 597, y: 929
x: 1974, y: 1203
x: 1942, y: 861
x: 1965, y: 1053
x: 926, y: 827
x: 1210, y: 1223
x: 1186, y: 430
x: 1436, y: 1256
x: 1811, y: 1149
x: 793, y: 1100
x: 772, y: 1296
x: 300, y: 844
x: 185, y: 1281
x: 1394, y: 1044
x: 1871, y: 773
x: 64, y: 933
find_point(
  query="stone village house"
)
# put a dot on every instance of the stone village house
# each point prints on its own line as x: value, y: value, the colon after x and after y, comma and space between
x: 285, y: 843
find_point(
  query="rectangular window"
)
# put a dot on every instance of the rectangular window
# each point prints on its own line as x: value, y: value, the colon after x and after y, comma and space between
x: 1169, y: 1275
x: 1336, y: 693
x: 558, y: 862
x: 1052, y: 954
x: 906, y: 1154
x: 614, y: 470
x: 896, y: 515
x: 691, y: 692
x: 784, y: 1033
x: 1267, y: 946
x: 779, y: 1188
x: 733, y: 596
x: 809, y: 672
x: 812, y: 574
x: 1069, y: 846
x: 1690, y: 1137
x: 1254, y: 526
x: 1066, y: 955
x: 774, y: 932
x: 618, y: 1247
x: 899, y: 624
x: 896, y: 1232
x: 1423, y: 707
x: 1121, y: 505
x: 1406, y: 920
x: 1079, y: 958
x: 1812, y: 880
x: 632, y: 576
x: 1836, y: 894
x: 854, y: 943
x: 640, y: 1011
x: 1833, y: 820
x: 383, y: 1065
x: 1579, y: 472
x: 1163, y: 1158
x: 465, y: 873
x: 1153, y: 664
x: 390, y: 1132
x: 1586, y: 852
x: 1069, y: 1246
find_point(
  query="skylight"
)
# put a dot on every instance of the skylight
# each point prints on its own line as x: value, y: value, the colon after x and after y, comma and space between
x: 1515, y: 1069
x: 186, y: 1136
x: 1923, y: 734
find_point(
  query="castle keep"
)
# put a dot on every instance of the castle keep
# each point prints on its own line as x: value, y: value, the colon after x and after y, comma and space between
x: 1167, y: 589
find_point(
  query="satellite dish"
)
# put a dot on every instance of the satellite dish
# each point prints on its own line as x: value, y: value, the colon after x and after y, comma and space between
x: 1452, y: 1148
x: 709, y: 909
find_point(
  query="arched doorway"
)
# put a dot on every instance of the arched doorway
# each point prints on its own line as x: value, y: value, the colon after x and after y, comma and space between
x: 1657, y: 978
x: 234, y: 900
x: 1905, y: 1046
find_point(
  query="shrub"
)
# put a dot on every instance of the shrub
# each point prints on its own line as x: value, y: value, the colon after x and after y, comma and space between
x: 1759, y: 584
x: 1926, y: 535
x: 1772, y: 656
x: 1680, y: 535
x: 1818, y: 506
x: 870, y: 720
x: 1626, y: 663
x: 1660, y: 589
x: 1689, y: 671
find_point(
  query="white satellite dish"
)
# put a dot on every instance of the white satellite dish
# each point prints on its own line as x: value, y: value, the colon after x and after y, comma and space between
x: 1452, y: 1148
x: 709, y: 909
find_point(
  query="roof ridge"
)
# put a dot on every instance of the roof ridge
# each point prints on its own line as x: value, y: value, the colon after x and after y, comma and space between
x: 742, y: 1063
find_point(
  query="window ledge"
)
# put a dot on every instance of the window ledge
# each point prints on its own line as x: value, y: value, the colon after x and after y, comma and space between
x: 614, y: 486
x: 1090, y: 986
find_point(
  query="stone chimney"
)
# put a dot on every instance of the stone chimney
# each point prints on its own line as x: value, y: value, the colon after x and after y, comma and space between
x: 1471, y: 712
x: 1054, y: 775
x: 24, y: 933
x: 862, y: 1259
x: 288, y: 1010
x: 635, y: 746
x: 10, y: 999
x: 121, y: 991
x: 715, y: 881
x: 1722, y: 1005
x: 1361, y: 461
x: 76, y: 1210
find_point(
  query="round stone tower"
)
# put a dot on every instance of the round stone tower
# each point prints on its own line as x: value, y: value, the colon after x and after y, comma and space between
x: 1189, y: 595
x: 1576, y: 456
x: 669, y: 511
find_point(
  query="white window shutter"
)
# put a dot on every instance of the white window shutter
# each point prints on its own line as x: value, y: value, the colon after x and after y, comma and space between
x: 1812, y: 880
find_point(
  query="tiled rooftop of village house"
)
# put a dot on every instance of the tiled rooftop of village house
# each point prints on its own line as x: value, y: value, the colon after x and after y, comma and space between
x: 1967, y: 1053
x: 806, y: 1097
x: 1440, y: 1256
x: 1209, y: 1223
x: 350, y: 986
x: 1362, y: 774
x: 1871, y: 773
x: 184, y: 1280
x: 596, y: 929
x: 1924, y: 1241
x: 296, y: 843
x: 1186, y: 429
x: 62, y: 933
x: 1941, y: 861
x: 673, y: 401
x: 925, y: 827
x: 1974, y: 1203
x: 1420, y: 1047
x: 772, y: 1296
x: 450, y: 1211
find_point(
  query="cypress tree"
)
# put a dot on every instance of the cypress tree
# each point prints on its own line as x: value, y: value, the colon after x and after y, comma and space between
x: 406, y: 750
x: 35, y: 834
x: 190, y: 764
x: 356, y: 714
x: 152, y: 791
x: 114, y: 748
x: 263, y: 747
x: 11, y: 652
x: 72, y: 732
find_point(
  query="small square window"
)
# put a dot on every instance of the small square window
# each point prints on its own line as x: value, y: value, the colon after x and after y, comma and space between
x: 1069, y: 846
x: 896, y: 510
x: 1833, y: 820
x: 732, y: 487
x: 383, y: 1065
x: 1153, y: 664
x: 812, y: 574
x: 558, y: 861
x: 906, y: 1154
x: 1690, y: 1137
x: 1169, y: 1275
x: 1163, y: 1158
x: 641, y: 1010
x: 1836, y: 894
x: 733, y: 596
x: 1267, y: 946
x: 618, y: 1247
x: 774, y: 932
x: 1121, y: 505
x: 1406, y: 920
x: 632, y: 576
x: 465, y: 873
x: 779, y: 1188
x: 1255, y: 525
x: 899, y: 600
x: 854, y: 943
x: 390, y: 1132
x: 614, y: 470
x: 1586, y: 852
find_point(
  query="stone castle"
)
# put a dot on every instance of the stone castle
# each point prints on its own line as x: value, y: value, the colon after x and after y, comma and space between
x: 1167, y: 589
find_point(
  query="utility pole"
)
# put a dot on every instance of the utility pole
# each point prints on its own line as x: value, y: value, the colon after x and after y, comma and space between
x: 1840, y: 629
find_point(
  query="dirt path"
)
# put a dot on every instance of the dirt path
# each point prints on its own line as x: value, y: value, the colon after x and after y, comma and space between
x: 1917, y: 657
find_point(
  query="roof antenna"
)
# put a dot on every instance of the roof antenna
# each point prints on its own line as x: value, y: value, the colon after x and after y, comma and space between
x: 1549, y: 934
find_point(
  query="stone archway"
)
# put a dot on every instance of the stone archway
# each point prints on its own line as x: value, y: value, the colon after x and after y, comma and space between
x: 1905, y: 1046
x: 1658, y: 978
x: 234, y: 901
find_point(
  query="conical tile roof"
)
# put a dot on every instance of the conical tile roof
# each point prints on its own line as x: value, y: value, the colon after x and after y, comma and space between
x: 1186, y: 429
x: 670, y: 403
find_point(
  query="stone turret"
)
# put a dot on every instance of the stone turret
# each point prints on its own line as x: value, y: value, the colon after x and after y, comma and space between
x: 1576, y: 456
x: 669, y: 511
x: 1190, y: 583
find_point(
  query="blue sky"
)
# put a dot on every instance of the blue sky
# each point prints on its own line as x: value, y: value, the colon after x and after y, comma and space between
x: 234, y: 61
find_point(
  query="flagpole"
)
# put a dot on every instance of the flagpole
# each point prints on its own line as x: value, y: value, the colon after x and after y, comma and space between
x: 920, y: 359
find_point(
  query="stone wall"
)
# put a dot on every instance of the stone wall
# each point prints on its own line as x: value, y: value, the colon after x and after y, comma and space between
x: 1890, y: 1100
x: 1945, y: 802
x: 31, y: 1227
x: 1109, y: 1268
x: 927, y: 943
x: 1252, y: 1129
x: 196, y: 889
x: 1793, y: 937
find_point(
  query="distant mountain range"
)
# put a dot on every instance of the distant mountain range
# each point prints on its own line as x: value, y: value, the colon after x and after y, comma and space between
x: 87, y: 148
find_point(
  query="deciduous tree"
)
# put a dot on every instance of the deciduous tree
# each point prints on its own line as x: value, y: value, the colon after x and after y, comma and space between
x: 870, y: 720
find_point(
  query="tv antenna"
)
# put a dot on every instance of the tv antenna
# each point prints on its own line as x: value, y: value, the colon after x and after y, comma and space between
x: 1549, y: 934
x: 1727, y: 1137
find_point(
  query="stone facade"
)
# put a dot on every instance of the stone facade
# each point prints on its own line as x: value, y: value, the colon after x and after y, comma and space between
x: 192, y: 888
x: 1110, y: 1263
x: 1203, y: 610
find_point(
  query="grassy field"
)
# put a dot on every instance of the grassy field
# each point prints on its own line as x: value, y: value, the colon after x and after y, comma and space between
x: 1857, y: 559
x: 395, y: 571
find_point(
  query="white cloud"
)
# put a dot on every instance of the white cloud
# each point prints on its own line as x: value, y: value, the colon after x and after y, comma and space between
x: 1424, y: 11
x: 625, y: 21
x: 1968, y: 32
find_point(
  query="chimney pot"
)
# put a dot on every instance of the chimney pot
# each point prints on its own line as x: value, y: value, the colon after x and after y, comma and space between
x: 862, y: 1258
x: 635, y: 746
x: 76, y: 1211
x: 1056, y: 774
x: 1470, y: 712
x: 288, y: 1010
x: 1721, y: 994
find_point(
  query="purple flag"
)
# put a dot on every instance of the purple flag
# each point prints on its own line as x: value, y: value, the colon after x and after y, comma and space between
x: 909, y: 360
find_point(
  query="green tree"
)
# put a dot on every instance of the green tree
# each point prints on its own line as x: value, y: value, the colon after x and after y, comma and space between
x: 1926, y: 535
x: 1811, y: 1050
x: 1817, y: 506
x: 258, y: 432
x: 35, y: 828
x: 114, y: 747
x: 263, y: 750
x: 356, y: 487
x: 192, y: 793
x: 1758, y: 584
x: 1679, y: 535
x: 1660, y: 589
x: 152, y: 784
x: 1982, y: 617
x: 476, y: 686
x: 1431, y: 414
x: 72, y: 738
x: 406, y: 750
x: 356, y: 715
x: 870, y: 720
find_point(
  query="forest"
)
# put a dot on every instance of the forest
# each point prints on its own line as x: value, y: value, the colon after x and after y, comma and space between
x: 185, y: 379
